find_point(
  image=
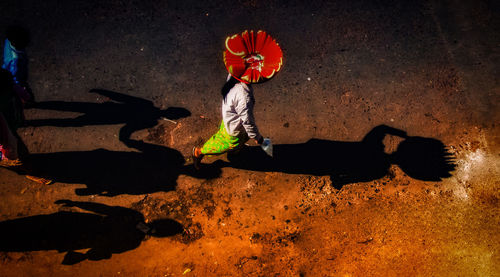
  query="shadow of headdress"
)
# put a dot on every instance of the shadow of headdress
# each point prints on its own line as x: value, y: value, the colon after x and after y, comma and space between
x: 425, y: 159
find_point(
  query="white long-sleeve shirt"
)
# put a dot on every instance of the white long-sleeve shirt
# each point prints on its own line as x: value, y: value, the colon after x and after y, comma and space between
x: 237, y: 111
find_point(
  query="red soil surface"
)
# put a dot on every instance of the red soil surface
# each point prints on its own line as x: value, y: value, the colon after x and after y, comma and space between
x: 428, y: 68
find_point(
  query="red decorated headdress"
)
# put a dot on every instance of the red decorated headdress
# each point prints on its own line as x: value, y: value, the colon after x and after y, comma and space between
x: 252, y: 57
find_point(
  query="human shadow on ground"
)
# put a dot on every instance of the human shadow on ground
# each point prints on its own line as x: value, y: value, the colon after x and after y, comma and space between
x: 154, y: 168
x: 136, y: 113
x: 350, y: 162
x: 106, y: 230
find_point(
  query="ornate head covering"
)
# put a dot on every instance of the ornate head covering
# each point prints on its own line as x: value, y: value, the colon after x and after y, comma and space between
x: 252, y: 57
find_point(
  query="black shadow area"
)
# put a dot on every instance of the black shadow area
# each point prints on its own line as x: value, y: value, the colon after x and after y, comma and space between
x: 350, y: 162
x: 154, y: 168
x: 136, y: 113
x: 106, y: 230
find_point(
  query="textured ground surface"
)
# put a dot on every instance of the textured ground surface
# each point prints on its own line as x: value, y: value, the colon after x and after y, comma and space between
x: 427, y: 68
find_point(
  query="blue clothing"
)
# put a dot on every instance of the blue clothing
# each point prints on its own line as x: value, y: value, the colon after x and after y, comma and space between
x: 16, y: 62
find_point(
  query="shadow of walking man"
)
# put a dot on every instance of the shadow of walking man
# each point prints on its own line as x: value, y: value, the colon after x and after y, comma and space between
x: 350, y: 162
x: 154, y: 168
x: 136, y: 113
x: 109, y: 173
x: 106, y: 230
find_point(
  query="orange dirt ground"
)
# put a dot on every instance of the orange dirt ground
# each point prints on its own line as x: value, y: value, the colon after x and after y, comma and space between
x: 333, y: 206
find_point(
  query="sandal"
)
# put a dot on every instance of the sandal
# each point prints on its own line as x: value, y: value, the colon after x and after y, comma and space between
x: 196, y: 159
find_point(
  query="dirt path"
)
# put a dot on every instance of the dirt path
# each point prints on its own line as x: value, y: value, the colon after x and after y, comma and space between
x: 343, y: 197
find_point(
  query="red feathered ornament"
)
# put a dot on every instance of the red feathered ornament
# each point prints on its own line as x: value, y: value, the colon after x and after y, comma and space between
x: 252, y: 57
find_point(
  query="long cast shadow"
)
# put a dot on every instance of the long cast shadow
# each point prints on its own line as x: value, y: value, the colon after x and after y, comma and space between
x: 350, y: 162
x: 106, y: 230
x: 135, y: 112
x: 154, y: 168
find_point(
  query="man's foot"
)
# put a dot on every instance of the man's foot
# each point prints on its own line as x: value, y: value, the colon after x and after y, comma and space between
x: 196, y: 156
x: 233, y: 155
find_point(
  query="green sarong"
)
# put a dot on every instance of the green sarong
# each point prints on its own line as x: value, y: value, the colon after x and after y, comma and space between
x: 222, y: 142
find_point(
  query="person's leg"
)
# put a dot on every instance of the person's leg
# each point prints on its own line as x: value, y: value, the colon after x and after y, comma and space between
x: 7, y: 140
x: 236, y: 150
x: 10, y: 144
x: 220, y: 143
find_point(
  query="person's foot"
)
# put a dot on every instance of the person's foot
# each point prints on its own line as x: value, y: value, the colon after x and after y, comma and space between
x: 197, y: 156
x: 233, y: 155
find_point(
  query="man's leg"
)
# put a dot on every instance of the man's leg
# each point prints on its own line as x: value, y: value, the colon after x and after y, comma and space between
x: 220, y: 143
x: 7, y: 140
